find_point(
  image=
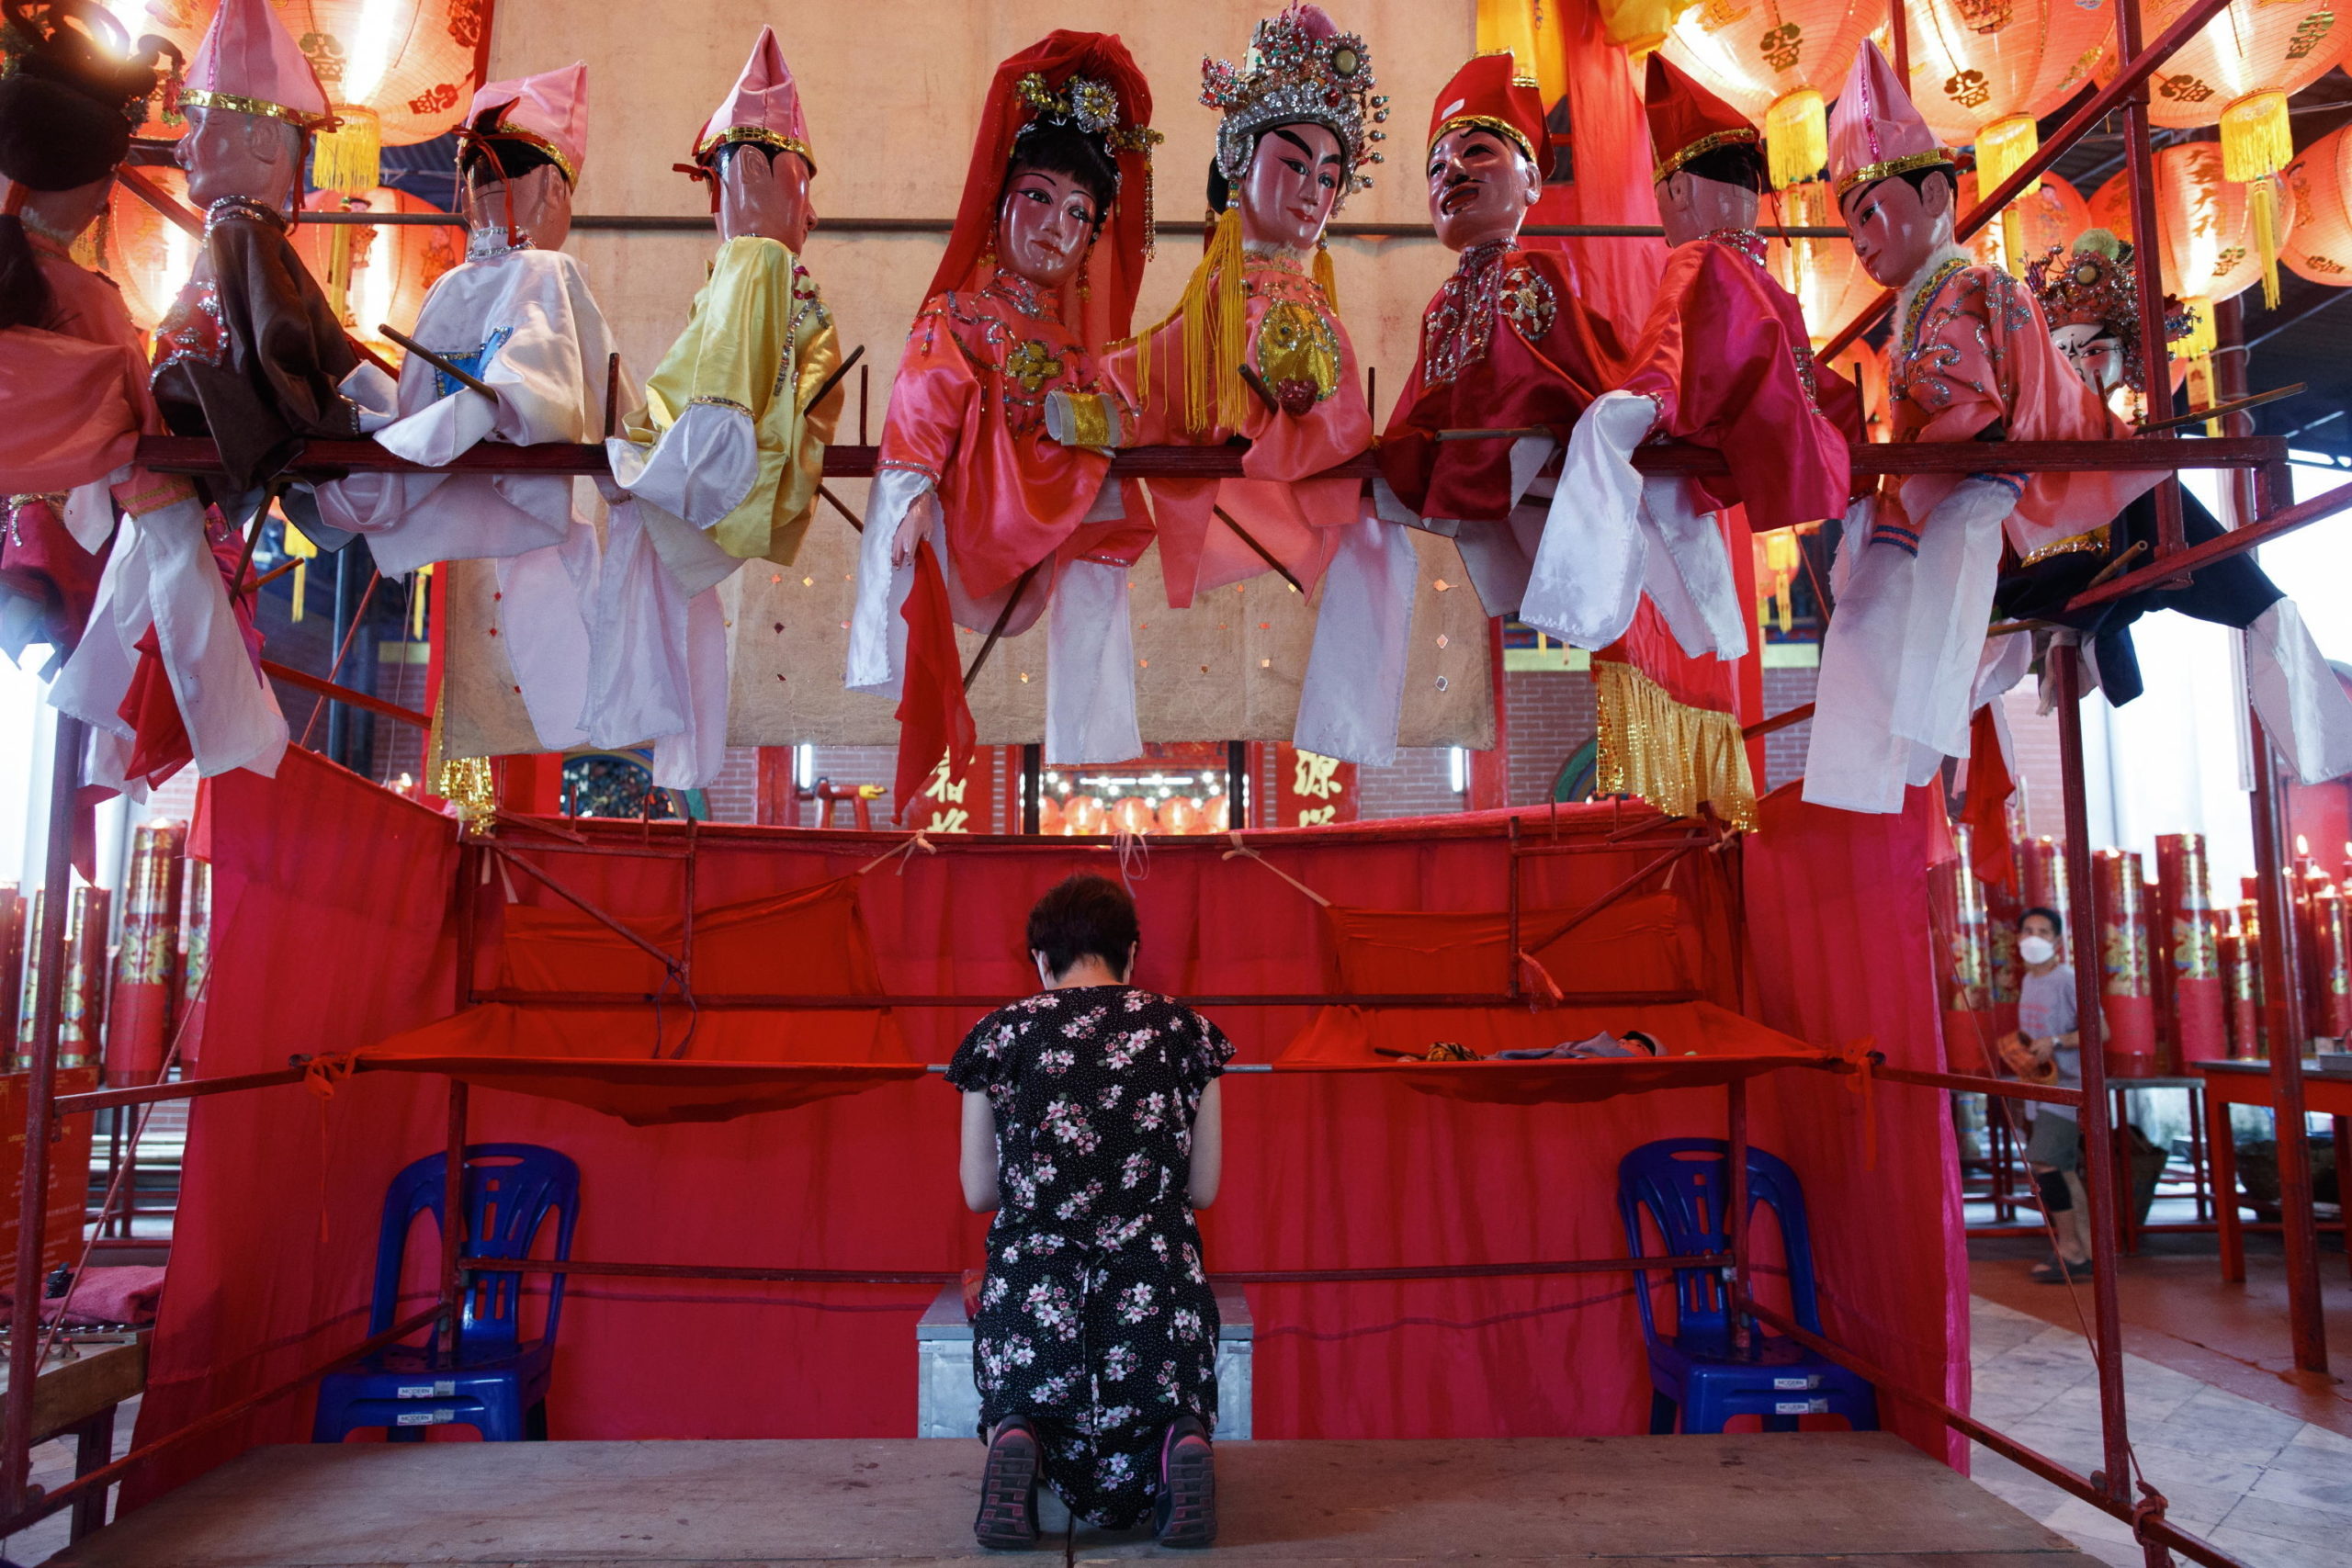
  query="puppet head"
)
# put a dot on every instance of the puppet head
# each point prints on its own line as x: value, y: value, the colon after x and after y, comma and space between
x: 253, y: 104
x: 519, y: 156
x: 1710, y: 161
x: 1896, y: 185
x: 754, y: 150
x: 1299, y: 113
x: 2092, y: 302
x: 1483, y: 171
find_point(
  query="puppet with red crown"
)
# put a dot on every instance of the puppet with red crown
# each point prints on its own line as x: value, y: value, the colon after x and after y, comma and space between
x: 728, y: 442
x: 516, y: 315
x: 1972, y: 360
x: 73, y: 392
x: 249, y: 355
x: 978, y: 516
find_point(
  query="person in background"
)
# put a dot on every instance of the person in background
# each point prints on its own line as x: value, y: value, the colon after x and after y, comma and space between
x: 1092, y: 1127
x: 2045, y: 1047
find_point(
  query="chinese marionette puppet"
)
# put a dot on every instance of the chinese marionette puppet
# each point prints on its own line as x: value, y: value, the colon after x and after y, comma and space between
x: 516, y: 315
x: 729, y: 442
x: 2091, y: 299
x: 250, y: 355
x: 1970, y: 360
x: 978, y: 517
x: 73, y: 392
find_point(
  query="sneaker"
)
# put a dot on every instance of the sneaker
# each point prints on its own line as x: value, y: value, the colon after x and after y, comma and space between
x: 1008, y: 1517
x: 1184, y: 1515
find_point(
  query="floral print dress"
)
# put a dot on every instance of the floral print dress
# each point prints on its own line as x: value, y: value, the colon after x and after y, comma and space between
x: 1096, y: 1321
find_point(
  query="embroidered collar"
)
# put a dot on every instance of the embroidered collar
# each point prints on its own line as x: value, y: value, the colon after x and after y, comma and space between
x: 486, y: 244
x: 1281, y: 259
x: 1480, y: 257
x: 1018, y: 292
x: 247, y: 209
x: 1746, y: 242
x: 1915, y: 296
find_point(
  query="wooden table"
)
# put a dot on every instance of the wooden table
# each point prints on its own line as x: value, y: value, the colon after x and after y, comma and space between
x: 2229, y: 1083
x: 88, y: 1373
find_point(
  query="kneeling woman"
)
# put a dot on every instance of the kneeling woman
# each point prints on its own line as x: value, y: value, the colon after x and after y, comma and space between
x: 1092, y: 1127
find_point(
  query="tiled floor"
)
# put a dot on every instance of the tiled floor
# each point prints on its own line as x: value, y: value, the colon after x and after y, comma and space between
x: 2263, y: 1485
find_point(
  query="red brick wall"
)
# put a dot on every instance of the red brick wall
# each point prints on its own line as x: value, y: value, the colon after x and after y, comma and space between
x: 1552, y: 714
x: 1419, y: 784
x: 1784, y: 749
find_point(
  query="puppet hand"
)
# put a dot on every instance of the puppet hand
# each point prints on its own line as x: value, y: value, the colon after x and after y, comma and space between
x: 922, y: 512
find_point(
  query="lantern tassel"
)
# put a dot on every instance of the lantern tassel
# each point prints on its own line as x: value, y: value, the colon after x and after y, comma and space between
x: 350, y: 157
x: 2264, y: 195
x: 2002, y: 149
x: 1796, y: 137
x: 2257, y: 141
x: 297, y: 545
x: 2197, y: 348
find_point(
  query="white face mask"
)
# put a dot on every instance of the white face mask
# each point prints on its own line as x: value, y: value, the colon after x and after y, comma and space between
x: 2037, y: 949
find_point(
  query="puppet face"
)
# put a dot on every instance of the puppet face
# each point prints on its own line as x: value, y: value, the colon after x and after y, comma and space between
x: 1896, y: 226
x: 1690, y: 206
x: 766, y: 194
x: 1044, y: 226
x: 2096, y: 354
x: 1292, y: 184
x: 229, y: 153
x: 541, y: 202
x: 1480, y: 187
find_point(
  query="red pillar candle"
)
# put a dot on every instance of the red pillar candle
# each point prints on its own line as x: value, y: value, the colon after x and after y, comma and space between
x: 29, y: 992
x: 2129, y: 1003
x: 82, y: 1025
x: 2331, y: 959
x: 2041, y: 871
x: 1967, y: 977
x: 2191, y: 953
x: 139, y: 1016
x: 2241, y: 970
x: 12, y: 962
x: 196, y: 956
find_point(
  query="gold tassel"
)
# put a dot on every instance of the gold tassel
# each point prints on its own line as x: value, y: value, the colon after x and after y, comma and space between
x: 1324, y: 279
x: 2257, y: 141
x: 1675, y: 757
x: 2263, y: 194
x: 297, y: 545
x: 418, y: 597
x: 2002, y: 149
x: 349, y: 158
x: 1214, y: 302
x: 339, y: 273
x: 2197, y: 348
x: 1796, y: 136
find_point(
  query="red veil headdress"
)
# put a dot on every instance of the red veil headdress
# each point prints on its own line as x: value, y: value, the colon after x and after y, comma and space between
x: 1063, y: 78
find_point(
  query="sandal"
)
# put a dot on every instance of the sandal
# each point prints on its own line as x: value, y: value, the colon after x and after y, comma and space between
x: 1008, y: 1517
x: 1185, y: 1514
x: 2058, y: 1271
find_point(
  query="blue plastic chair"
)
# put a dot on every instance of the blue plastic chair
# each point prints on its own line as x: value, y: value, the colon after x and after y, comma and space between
x: 1684, y: 1183
x: 489, y: 1379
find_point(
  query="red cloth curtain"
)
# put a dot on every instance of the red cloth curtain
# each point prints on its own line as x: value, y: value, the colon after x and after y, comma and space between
x: 332, y: 931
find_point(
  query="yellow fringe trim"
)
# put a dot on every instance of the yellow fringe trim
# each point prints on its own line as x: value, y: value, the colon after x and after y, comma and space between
x: 2257, y: 137
x: 1215, y: 307
x: 350, y: 157
x: 1796, y: 137
x: 2264, y: 195
x: 2002, y: 149
x: 1675, y: 757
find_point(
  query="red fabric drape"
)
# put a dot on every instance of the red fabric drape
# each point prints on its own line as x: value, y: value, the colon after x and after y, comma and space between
x: 333, y: 914
x: 1612, y: 183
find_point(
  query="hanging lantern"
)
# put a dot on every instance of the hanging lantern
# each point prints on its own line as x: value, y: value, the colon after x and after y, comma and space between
x: 1984, y: 71
x: 397, y: 72
x: 2239, y: 73
x: 1778, y: 64
x: 2205, y: 229
x: 147, y: 254
x: 1830, y: 285
x: 376, y: 274
x: 2053, y: 213
x: 1083, y: 817
x: 2319, y: 193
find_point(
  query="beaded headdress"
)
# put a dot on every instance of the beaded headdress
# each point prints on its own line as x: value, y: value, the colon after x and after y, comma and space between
x: 1300, y: 70
x: 2095, y: 286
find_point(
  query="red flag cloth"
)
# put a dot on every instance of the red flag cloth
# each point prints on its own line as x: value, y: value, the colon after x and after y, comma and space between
x: 1610, y: 180
x: 1987, y: 805
x: 934, y: 721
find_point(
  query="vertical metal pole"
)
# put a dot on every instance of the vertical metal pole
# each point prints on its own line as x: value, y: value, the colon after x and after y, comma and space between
x: 2156, y: 361
x: 1033, y: 787
x: 2230, y: 357
x: 1510, y: 959
x: 41, y: 1095
x: 1735, y: 1210
x: 2288, y: 1031
x: 346, y: 598
x: 453, y: 1217
x: 2098, y: 1133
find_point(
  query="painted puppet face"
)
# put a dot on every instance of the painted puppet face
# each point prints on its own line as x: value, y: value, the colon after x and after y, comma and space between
x: 766, y: 193
x: 1292, y: 184
x: 1044, y: 225
x: 229, y: 153
x: 2096, y: 354
x: 1690, y: 206
x: 1481, y: 187
x: 1896, y: 226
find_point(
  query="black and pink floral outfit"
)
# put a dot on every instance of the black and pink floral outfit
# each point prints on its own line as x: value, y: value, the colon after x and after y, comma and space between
x: 1096, y: 1322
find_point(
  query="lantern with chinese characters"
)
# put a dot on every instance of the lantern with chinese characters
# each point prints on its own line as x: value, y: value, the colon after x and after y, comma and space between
x: 2319, y: 195
x: 2238, y: 72
x: 397, y: 72
x: 1984, y: 71
x: 2053, y: 213
x: 376, y: 274
x: 1774, y: 61
x: 2205, y: 231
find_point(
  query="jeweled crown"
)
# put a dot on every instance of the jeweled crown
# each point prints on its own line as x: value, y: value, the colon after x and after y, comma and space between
x: 2094, y: 284
x: 1299, y: 68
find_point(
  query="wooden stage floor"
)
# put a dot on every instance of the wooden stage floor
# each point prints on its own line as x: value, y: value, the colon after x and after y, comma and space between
x: 1759, y: 1501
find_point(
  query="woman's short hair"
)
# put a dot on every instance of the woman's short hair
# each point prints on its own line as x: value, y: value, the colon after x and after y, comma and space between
x: 1083, y: 915
x: 2057, y: 922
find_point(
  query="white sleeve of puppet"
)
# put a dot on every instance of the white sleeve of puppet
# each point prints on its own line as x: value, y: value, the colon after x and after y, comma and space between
x: 1688, y: 570
x: 700, y: 469
x: 1588, y: 570
x: 1091, y: 668
x: 1353, y: 696
x: 877, y: 633
x: 2302, y: 702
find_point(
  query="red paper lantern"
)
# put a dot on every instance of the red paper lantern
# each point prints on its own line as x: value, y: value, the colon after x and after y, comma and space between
x: 1180, y: 814
x: 1132, y: 814
x: 1779, y: 64
x: 1218, y: 818
x: 376, y: 274
x: 1049, y: 815
x: 1083, y: 817
x: 2053, y: 214
x: 2205, y: 229
x: 1830, y: 285
x: 147, y: 254
x: 2319, y: 193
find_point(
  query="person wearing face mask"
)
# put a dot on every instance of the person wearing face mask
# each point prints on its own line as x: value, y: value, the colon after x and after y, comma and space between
x: 2089, y: 298
x: 518, y: 316
x: 1092, y: 1126
x: 978, y: 517
x: 722, y: 461
x: 2047, y: 1049
x: 1971, y: 361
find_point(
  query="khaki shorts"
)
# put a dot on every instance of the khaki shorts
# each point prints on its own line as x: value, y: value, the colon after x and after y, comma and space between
x: 2055, y: 1140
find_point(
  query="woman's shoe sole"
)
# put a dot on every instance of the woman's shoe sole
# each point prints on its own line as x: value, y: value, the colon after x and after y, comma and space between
x: 1007, y: 1519
x: 1192, y: 1491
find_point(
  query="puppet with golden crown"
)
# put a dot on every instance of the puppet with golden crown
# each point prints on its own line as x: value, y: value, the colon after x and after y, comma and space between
x: 73, y: 393
x: 979, y: 517
x: 517, y: 315
x: 1972, y: 360
x: 728, y: 441
x: 252, y: 356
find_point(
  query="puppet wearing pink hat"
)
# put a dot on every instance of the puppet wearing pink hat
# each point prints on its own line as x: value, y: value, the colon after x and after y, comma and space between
x: 1905, y: 663
x: 730, y: 442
